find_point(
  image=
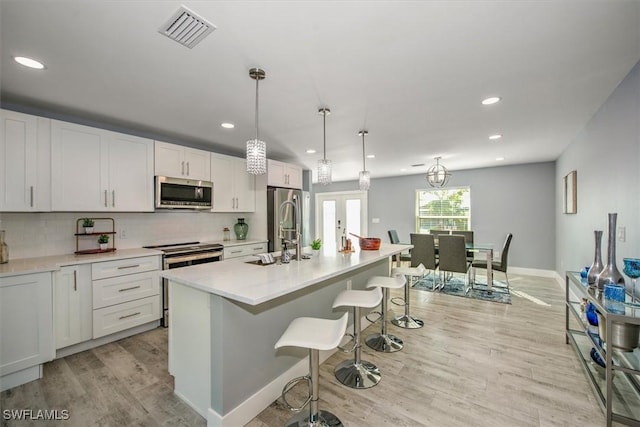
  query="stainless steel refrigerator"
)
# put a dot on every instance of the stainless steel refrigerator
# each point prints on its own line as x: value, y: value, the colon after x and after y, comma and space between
x: 280, y: 212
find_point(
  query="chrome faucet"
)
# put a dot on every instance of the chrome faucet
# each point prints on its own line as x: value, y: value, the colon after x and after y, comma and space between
x: 298, y: 237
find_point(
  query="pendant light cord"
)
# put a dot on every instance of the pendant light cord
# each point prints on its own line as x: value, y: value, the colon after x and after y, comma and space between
x: 364, y: 165
x: 257, y: 116
x: 324, y: 134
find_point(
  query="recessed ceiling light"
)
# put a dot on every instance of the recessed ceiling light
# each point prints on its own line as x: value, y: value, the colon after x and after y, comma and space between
x: 491, y: 100
x: 496, y: 136
x: 403, y: 170
x: 371, y: 156
x: 311, y: 151
x: 28, y: 62
x: 228, y: 125
x: 499, y: 159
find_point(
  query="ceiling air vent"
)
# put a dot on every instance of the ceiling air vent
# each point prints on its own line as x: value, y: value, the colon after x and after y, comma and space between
x: 186, y: 27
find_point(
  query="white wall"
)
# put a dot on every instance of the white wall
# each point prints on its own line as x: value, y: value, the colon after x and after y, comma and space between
x: 518, y: 199
x: 606, y: 156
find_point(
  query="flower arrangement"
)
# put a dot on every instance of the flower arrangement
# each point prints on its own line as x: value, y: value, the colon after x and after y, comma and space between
x: 316, y: 244
x: 103, y: 238
x: 87, y: 222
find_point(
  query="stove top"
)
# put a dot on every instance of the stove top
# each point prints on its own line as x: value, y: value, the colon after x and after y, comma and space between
x: 186, y: 247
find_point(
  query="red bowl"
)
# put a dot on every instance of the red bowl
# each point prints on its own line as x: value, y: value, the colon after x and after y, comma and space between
x: 369, y: 243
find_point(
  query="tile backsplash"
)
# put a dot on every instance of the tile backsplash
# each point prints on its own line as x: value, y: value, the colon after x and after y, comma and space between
x: 42, y: 234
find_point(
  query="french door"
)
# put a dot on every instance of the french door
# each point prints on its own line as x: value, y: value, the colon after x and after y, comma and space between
x: 338, y: 214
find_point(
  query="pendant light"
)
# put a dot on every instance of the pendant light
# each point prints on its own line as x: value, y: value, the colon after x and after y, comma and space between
x: 256, y: 149
x: 438, y: 175
x: 324, y: 165
x: 365, y: 176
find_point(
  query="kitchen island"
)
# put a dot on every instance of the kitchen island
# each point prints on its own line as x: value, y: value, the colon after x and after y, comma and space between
x: 227, y: 316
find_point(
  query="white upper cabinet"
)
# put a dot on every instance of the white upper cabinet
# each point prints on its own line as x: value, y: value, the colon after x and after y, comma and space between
x: 97, y: 170
x: 177, y: 161
x: 281, y: 174
x: 234, y: 189
x: 25, y: 171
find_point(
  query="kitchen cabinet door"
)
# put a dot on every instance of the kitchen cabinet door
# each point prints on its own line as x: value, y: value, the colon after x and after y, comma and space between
x: 281, y: 174
x: 79, y: 170
x: 130, y: 173
x: 25, y: 164
x: 25, y: 322
x: 72, y: 305
x: 176, y: 161
x: 233, y: 186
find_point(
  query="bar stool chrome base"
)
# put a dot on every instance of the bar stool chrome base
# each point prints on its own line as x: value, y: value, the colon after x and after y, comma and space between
x: 324, y: 419
x: 407, y: 322
x: 358, y: 375
x: 384, y: 343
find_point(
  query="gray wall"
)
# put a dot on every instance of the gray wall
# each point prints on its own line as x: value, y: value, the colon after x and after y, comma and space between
x: 519, y: 199
x: 606, y: 155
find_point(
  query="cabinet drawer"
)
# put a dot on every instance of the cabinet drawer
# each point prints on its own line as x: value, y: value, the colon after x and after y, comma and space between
x: 123, y: 316
x: 102, y: 270
x: 116, y: 290
x: 243, y: 250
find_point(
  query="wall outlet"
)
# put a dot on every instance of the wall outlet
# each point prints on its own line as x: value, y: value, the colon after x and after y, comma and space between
x: 622, y: 234
x: 123, y: 234
x: 349, y: 284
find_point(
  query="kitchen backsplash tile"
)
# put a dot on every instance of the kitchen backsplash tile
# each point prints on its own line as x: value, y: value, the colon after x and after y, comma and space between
x: 42, y: 234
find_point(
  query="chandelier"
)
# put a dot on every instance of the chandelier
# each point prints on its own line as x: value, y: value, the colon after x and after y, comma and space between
x: 365, y: 176
x: 324, y: 165
x: 438, y: 175
x: 256, y: 149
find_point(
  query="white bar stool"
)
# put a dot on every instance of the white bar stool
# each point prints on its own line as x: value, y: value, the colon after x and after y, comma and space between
x: 405, y: 320
x: 385, y: 342
x: 357, y: 373
x: 314, y: 334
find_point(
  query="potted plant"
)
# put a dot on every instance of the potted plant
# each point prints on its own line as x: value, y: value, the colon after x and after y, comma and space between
x: 87, y: 223
x: 315, y: 246
x: 103, y: 240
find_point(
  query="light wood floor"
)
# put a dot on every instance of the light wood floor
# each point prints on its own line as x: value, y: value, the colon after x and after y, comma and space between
x: 474, y: 363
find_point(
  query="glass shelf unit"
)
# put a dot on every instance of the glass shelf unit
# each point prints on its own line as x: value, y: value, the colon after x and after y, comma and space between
x: 617, y: 385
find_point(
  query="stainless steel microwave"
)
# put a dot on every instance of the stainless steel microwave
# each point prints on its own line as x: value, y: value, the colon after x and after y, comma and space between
x: 179, y: 193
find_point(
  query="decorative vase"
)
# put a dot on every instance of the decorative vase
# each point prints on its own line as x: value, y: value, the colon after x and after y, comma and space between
x: 103, y: 246
x: 610, y: 273
x: 241, y: 228
x: 596, y: 267
x: 88, y: 230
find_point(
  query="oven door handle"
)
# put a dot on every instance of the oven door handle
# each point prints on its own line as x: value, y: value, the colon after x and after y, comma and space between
x: 193, y: 257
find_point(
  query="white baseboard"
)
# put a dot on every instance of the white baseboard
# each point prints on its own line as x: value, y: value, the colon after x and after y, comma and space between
x: 250, y: 408
x: 23, y: 376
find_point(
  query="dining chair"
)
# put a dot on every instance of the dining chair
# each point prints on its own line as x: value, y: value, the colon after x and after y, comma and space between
x: 468, y: 240
x: 424, y: 252
x: 394, y: 239
x: 496, y: 265
x: 453, y: 258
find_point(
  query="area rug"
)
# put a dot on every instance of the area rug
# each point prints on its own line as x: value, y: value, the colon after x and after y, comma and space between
x: 455, y: 286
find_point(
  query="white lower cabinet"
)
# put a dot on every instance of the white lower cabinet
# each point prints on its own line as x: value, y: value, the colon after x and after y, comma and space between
x: 126, y: 293
x: 72, y: 309
x: 238, y: 250
x: 26, y: 331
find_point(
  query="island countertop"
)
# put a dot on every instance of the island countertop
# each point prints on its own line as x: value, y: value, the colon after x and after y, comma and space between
x: 253, y: 284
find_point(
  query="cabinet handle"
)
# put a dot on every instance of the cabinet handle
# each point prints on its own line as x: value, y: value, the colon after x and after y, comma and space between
x: 129, y: 315
x: 113, y: 198
x: 187, y: 168
x: 236, y: 252
x: 128, y: 289
x: 75, y: 280
x: 258, y: 248
x: 105, y: 199
x: 182, y: 170
x: 31, y: 195
x: 128, y: 266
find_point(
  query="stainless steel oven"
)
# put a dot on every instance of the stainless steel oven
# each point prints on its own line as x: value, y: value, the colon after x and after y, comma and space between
x: 183, y: 255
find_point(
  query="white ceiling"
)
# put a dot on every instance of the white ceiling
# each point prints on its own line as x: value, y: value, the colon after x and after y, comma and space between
x: 412, y: 73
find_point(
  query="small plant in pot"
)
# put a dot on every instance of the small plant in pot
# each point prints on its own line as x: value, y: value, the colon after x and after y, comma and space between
x: 87, y: 223
x: 315, y: 246
x: 103, y: 240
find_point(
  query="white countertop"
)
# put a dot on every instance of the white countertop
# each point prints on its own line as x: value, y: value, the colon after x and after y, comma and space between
x: 255, y: 284
x: 52, y: 263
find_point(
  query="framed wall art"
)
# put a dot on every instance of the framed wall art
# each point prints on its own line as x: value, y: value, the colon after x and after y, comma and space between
x: 570, y: 181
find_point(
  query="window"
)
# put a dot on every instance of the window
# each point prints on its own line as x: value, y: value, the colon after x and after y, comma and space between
x: 443, y: 209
